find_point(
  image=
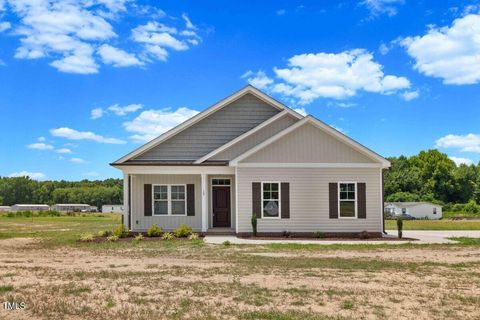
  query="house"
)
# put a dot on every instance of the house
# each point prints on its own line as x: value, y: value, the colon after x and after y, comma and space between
x: 74, y: 207
x: 5, y: 208
x: 112, y: 208
x: 418, y: 210
x: 250, y: 154
x: 30, y: 207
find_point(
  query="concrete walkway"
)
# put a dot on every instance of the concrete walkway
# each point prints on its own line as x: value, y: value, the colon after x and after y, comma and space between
x: 423, y: 237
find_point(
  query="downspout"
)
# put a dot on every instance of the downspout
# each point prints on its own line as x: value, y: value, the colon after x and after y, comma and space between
x: 383, y: 204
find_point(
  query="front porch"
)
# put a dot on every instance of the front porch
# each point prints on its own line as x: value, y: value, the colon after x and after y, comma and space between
x: 203, y: 197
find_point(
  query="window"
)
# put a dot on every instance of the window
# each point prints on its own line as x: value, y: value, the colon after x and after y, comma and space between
x: 220, y: 182
x: 271, y: 199
x: 434, y: 210
x: 169, y: 200
x: 404, y: 210
x: 347, y: 200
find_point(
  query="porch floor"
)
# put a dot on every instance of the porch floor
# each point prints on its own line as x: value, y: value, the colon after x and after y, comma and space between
x: 221, y: 231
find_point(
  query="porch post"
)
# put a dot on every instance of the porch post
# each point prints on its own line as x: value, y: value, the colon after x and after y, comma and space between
x: 126, y: 204
x: 204, y: 203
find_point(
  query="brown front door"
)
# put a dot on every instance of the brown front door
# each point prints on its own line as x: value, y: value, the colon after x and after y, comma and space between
x: 221, y: 207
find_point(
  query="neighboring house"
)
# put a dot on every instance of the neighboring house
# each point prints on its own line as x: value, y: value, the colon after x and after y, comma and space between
x: 5, y: 208
x: 251, y: 154
x: 112, y: 208
x: 418, y: 210
x: 30, y: 207
x: 74, y: 207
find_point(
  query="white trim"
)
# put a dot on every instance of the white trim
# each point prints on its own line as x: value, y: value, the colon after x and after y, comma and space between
x: 128, y: 169
x: 211, y: 195
x: 204, y: 187
x: 226, y: 101
x: 126, y: 192
x: 236, y: 200
x: 306, y: 165
x: 382, y: 203
x: 355, y: 200
x: 336, y: 134
x: 279, y: 200
x: 247, y: 134
x: 169, y: 199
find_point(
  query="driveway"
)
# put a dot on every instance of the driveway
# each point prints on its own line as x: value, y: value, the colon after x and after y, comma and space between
x: 422, y: 236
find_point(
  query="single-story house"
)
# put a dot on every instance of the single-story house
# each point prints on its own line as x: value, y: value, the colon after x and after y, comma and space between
x: 74, y: 207
x: 250, y: 154
x: 418, y: 210
x: 5, y: 208
x: 112, y: 208
x: 30, y: 207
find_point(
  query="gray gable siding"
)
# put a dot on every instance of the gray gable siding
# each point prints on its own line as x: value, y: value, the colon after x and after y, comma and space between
x: 214, y: 131
x: 256, y: 138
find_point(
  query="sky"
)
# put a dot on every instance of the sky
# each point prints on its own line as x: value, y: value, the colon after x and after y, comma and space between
x: 84, y: 82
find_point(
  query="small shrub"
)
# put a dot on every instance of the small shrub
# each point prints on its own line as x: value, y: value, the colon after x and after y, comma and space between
x: 121, y: 231
x: 104, y: 233
x: 286, y: 234
x: 226, y: 243
x: 168, y: 236
x: 319, y: 235
x: 139, y: 237
x: 193, y: 236
x: 400, y: 227
x: 87, y: 237
x: 183, y: 231
x: 154, y: 231
x: 254, y: 224
x: 363, y: 235
x: 112, y: 238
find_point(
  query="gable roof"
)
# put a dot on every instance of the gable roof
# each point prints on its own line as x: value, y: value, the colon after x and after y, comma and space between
x: 202, y: 115
x: 322, y: 126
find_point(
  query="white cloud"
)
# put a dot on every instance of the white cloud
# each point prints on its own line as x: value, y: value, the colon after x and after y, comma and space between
x: 379, y: 7
x: 410, y: 95
x: 188, y: 22
x: 40, y: 146
x: 123, y: 110
x: 41, y: 139
x: 77, y: 160
x: 458, y: 161
x: 73, y: 134
x: 302, y: 111
x: 5, y: 26
x: 329, y: 75
x: 32, y: 175
x: 96, y: 113
x: 63, y: 151
x: 450, y: 53
x: 383, y: 49
x: 466, y: 143
x: 257, y: 79
x: 281, y: 12
x: 118, y: 57
x: 151, y: 123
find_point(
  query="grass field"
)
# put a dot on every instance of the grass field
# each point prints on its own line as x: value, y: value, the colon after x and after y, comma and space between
x: 43, y: 265
x: 434, y: 224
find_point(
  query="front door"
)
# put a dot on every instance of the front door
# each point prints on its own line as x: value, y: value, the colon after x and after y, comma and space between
x: 221, y: 207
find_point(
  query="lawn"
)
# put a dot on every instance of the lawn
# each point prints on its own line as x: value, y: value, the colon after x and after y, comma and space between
x: 434, y: 224
x: 42, y: 265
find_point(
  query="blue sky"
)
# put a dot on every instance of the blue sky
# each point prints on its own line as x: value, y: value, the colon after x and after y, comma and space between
x: 84, y: 82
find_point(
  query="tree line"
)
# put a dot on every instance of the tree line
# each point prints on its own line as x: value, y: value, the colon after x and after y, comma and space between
x: 25, y: 190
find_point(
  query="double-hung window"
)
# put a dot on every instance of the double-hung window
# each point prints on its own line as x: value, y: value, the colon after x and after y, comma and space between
x: 169, y: 200
x: 270, y: 200
x: 347, y: 199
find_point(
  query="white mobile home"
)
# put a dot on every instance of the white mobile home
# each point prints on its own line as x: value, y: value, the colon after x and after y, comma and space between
x: 112, y: 208
x: 418, y: 210
x: 5, y: 208
x: 30, y: 207
x: 74, y: 207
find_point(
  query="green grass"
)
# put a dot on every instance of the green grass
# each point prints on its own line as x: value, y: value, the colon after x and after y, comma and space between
x: 451, y: 214
x: 4, y: 289
x: 434, y: 224
x: 467, y: 241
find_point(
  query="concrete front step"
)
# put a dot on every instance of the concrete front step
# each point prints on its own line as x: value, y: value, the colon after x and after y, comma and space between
x: 221, y: 231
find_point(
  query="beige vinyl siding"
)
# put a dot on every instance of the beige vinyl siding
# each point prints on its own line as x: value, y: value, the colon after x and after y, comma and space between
x: 214, y: 131
x: 309, y: 199
x: 166, y: 222
x: 308, y: 144
x: 232, y: 198
x: 256, y: 138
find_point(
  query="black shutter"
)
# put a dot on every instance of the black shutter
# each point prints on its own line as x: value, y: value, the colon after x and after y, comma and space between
x: 190, y: 199
x: 285, y: 199
x: 362, y: 200
x: 257, y: 199
x: 147, y: 199
x: 333, y: 200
